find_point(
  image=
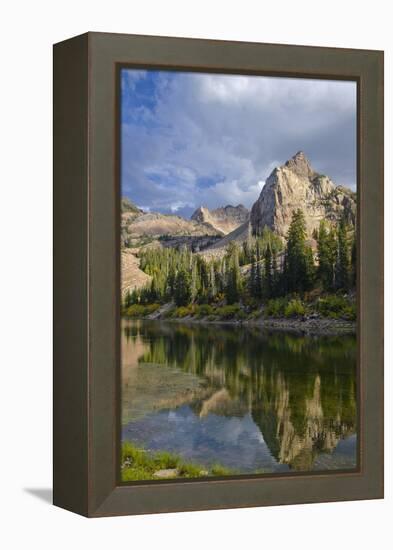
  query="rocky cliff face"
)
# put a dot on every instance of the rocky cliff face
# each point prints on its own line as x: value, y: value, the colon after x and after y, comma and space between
x: 225, y: 219
x: 296, y: 185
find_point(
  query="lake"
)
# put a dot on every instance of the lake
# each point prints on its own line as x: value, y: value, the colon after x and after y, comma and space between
x: 250, y: 400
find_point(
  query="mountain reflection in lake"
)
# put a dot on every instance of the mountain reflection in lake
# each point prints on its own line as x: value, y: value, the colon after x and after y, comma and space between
x: 250, y: 400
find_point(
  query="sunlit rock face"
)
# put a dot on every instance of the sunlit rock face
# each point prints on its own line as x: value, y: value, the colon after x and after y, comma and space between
x: 224, y: 219
x: 296, y: 185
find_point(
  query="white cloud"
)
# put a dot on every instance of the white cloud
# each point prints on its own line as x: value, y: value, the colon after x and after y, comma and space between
x: 130, y: 78
x: 233, y: 130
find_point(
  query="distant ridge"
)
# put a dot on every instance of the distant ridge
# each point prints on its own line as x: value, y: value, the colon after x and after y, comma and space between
x: 128, y: 206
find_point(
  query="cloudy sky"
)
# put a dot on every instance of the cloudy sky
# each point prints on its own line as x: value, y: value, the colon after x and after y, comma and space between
x: 191, y: 139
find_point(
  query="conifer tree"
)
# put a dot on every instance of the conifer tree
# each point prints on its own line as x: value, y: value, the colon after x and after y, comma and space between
x: 233, y: 287
x: 258, y: 281
x: 309, y: 277
x: 194, y: 281
x: 252, y: 278
x: 327, y: 256
x: 267, y: 280
x: 212, y: 282
x: 353, y: 263
x: 154, y: 291
x: 275, y: 275
x: 332, y: 250
x: 127, y: 299
x: 223, y: 274
x: 182, y: 291
x: 134, y: 296
x: 343, y: 267
x: 298, y: 257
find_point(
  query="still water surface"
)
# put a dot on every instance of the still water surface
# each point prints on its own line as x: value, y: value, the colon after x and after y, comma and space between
x: 250, y: 400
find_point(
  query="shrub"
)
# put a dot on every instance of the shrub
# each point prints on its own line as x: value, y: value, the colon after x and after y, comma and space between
x: 294, y: 308
x: 275, y: 307
x: 135, y: 310
x: 349, y: 312
x: 182, y: 311
x: 151, y: 308
x: 255, y: 314
x: 203, y: 310
x: 139, y: 310
x: 336, y: 306
x: 228, y: 312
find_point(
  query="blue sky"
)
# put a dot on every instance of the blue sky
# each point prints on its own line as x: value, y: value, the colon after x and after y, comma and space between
x: 191, y: 139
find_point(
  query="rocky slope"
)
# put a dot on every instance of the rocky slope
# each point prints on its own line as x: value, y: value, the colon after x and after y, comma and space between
x: 137, y: 224
x: 224, y: 220
x: 217, y: 249
x: 155, y: 224
x: 128, y: 207
x: 131, y: 276
x: 296, y: 185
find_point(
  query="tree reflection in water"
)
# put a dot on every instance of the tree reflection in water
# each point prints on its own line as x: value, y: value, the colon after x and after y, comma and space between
x: 298, y: 392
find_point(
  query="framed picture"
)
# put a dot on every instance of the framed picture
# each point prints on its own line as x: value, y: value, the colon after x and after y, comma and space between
x: 218, y: 274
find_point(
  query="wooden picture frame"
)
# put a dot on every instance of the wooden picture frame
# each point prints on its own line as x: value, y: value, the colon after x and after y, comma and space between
x: 86, y: 273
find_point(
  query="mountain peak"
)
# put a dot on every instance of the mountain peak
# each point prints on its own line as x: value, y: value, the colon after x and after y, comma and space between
x: 300, y: 165
x: 296, y: 185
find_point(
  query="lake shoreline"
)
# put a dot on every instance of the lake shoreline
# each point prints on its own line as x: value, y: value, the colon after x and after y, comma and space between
x: 328, y: 327
x: 301, y: 325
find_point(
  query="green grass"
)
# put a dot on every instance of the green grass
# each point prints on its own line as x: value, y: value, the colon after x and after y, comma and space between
x: 191, y: 470
x: 139, y: 464
x: 219, y: 470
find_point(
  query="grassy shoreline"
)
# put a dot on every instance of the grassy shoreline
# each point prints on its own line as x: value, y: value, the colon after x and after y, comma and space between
x: 333, y: 315
x: 139, y: 464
